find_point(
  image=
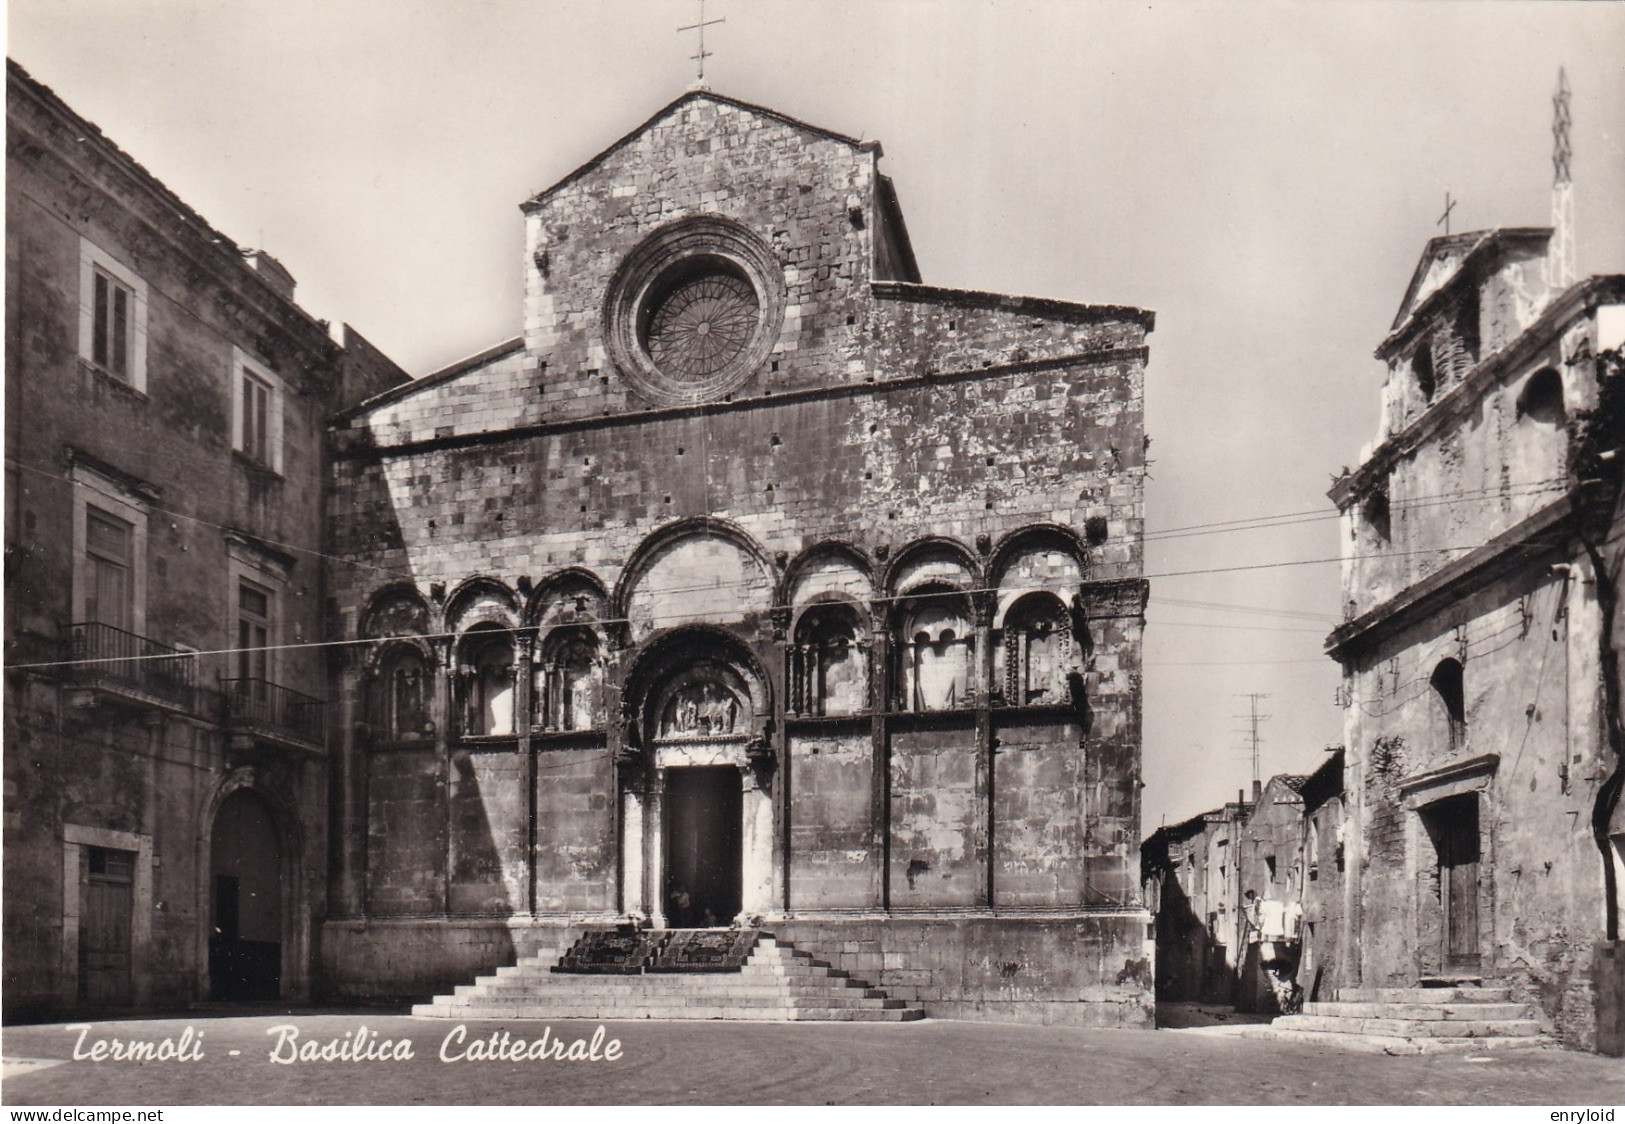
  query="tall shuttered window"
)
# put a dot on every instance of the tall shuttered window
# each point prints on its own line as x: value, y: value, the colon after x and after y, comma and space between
x: 253, y: 631
x: 256, y: 420
x: 113, y: 324
x: 109, y: 556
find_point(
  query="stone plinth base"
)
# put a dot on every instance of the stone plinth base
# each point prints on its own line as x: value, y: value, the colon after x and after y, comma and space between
x: 407, y: 959
x: 1077, y: 970
x: 1088, y: 969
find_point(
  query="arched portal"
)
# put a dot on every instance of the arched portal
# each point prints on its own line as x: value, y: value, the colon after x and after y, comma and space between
x: 245, y: 901
x: 698, y: 815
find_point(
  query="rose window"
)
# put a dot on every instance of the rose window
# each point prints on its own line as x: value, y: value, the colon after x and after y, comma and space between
x: 702, y: 321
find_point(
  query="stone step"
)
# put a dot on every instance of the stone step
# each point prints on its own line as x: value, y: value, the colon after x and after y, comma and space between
x: 777, y: 982
x: 1437, y: 1011
x: 1423, y: 994
x: 539, y: 963
x: 740, y: 1014
x: 1411, y: 1028
x: 733, y: 987
x: 1394, y: 1044
x: 580, y: 998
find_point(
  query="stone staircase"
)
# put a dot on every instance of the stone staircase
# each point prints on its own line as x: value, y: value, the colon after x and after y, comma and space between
x: 1413, y: 1020
x: 777, y: 982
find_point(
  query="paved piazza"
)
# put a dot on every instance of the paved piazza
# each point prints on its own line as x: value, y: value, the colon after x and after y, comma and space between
x: 740, y: 1063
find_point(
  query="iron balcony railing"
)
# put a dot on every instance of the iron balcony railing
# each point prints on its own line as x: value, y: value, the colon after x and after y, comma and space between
x: 258, y: 705
x: 106, y: 657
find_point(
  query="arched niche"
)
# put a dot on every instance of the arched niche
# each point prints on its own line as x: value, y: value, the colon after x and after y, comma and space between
x: 1036, y: 652
x: 399, y: 687
x: 935, y: 643
x: 485, y: 681
x: 703, y: 572
x: 828, y: 664
x: 1449, y: 702
x: 1541, y: 398
x: 569, y: 680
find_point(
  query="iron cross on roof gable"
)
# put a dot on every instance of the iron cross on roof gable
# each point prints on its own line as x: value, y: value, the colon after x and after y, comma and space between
x: 1449, y: 205
x: 700, y: 27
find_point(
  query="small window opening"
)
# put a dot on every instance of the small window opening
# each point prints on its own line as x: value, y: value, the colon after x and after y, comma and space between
x: 1542, y: 398
x: 1447, y: 685
x: 1422, y: 367
x: 1376, y: 513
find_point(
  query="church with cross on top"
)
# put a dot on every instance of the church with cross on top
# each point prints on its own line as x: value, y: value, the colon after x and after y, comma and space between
x: 754, y: 583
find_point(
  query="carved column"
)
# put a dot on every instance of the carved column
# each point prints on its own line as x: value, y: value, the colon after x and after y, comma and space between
x: 880, y: 696
x: 983, y: 606
x: 525, y: 651
x: 654, y: 866
x: 448, y: 725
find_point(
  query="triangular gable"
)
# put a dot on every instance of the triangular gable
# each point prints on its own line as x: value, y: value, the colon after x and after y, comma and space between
x: 670, y: 108
x: 1445, y: 256
x: 1441, y: 259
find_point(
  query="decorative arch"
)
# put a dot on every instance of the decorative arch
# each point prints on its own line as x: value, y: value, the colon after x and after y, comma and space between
x: 670, y: 653
x: 397, y: 609
x: 562, y: 589
x: 481, y: 599
x: 1036, y: 536
x: 826, y: 551
x: 693, y: 526
x: 922, y: 550
x: 736, y: 601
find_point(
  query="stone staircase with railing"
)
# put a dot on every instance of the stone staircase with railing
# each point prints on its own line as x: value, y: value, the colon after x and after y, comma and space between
x: 776, y: 982
x: 1414, y: 1020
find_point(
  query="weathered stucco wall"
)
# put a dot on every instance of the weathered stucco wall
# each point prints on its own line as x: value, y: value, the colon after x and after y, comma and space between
x: 1471, y: 649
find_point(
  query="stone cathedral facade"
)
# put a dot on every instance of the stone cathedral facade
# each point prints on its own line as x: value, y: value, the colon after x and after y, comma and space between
x: 755, y: 582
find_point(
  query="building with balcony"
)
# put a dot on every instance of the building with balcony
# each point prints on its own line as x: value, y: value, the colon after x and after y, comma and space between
x: 1482, y: 539
x: 166, y: 741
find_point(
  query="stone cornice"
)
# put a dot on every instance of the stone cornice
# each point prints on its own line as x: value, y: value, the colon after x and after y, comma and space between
x: 1098, y: 358
x: 1528, y: 543
x: 1041, y: 306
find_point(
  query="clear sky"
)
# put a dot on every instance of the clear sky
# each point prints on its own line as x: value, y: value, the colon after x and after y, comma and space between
x: 1263, y: 175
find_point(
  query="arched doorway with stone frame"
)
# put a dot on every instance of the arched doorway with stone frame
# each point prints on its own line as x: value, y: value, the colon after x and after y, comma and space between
x: 696, y: 787
x: 254, y: 940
